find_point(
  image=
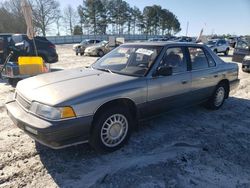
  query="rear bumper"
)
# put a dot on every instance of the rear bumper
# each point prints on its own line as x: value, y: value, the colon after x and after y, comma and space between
x: 53, y: 58
x: 234, y: 84
x: 54, y: 134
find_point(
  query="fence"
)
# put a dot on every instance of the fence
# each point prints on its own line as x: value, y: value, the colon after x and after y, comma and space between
x: 79, y: 38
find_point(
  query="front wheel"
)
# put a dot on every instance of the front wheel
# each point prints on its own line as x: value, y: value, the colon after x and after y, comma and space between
x: 111, y: 130
x: 226, y: 52
x: 100, y: 53
x: 218, y: 97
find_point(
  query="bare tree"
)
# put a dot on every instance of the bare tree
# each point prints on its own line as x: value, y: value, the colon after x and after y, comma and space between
x: 12, y: 19
x: 70, y: 16
x: 45, y: 14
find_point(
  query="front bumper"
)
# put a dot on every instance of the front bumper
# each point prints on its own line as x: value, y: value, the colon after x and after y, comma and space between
x: 54, y: 134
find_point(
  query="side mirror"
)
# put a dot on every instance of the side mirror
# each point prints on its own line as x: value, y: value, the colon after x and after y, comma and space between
x: 163, y: 71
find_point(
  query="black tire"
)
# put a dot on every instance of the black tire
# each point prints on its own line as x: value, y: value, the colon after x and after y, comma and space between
x: 13, y: 81
x: 215, y: 51
x: 81, y: 54
x: 220, y: 93
x: 226, y: 52
x: 100, y: 53
x: 97, y: 140
x: 76, y: 53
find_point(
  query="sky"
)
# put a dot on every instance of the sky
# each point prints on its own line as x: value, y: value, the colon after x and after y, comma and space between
x: 215, y: 16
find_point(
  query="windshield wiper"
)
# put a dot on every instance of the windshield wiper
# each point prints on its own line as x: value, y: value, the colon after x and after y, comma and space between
x: 106, y: 70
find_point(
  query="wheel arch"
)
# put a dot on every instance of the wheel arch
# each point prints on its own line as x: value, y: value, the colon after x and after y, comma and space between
x: 121, y: 102
x: 226, y: 83
x: 125, y: 102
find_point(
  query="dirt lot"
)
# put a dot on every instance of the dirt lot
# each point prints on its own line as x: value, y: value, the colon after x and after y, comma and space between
x: 192, y: 147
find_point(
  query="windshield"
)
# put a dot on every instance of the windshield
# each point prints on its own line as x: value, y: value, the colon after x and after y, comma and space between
x: 130, y: 60
x: 211, y: 42
x: 85, y: 42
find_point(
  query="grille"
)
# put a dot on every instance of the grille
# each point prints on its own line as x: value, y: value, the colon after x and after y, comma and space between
x: 24, y: 103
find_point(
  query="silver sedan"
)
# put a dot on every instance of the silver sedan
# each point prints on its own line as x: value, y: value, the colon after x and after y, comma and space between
x: 134, y: 82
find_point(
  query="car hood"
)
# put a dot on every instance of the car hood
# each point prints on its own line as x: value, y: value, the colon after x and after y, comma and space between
x: 57, y: 87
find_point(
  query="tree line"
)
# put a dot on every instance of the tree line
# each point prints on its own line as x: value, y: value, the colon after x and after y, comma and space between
x: 91, y: 17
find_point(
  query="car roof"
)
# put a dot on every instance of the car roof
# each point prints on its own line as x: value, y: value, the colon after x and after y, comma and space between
x: 6, y: 34
x: 163, y: 43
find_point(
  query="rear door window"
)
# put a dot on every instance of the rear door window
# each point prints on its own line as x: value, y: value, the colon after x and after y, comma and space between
x: 17, y: 38
x: 198, y: 58
x: 174, y: 57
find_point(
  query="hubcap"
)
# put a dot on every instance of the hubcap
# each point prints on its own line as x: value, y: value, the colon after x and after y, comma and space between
x: 219, y: 96
x: 114, y: 130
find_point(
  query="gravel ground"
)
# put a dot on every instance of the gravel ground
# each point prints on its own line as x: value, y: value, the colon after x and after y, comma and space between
x: 191, y: 147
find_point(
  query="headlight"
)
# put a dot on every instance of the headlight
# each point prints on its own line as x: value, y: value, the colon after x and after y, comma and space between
x: 52, y: 113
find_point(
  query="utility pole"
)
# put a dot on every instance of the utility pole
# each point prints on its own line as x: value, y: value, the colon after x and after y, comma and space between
x: 187, y: 28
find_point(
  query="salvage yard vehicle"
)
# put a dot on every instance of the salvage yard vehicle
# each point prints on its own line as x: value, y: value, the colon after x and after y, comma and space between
x: 45, y: 48
x: 19, y: 45
x: 219, y: 46
x: 102, y: 104
x: 99, y: 49
x: 4, y: 51
x: 246, y: 64
x: 80, y: 48
x: 242, y: 49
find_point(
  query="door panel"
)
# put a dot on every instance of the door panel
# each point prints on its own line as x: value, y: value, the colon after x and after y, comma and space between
x: 204, y: 73
x: 168, y: 92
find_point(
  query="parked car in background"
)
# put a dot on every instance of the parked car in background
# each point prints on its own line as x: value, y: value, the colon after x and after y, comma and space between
x: 184, y: 39
x: 158, y: 39
x: 4, y: 43
x: 99, y: 49
x: 242, y: 49
x: 80, y: 48
x: 102, y: 104
x: 246, y: 64
x: 233, y: 40
x: 219, y: 46
x: 20, y: 44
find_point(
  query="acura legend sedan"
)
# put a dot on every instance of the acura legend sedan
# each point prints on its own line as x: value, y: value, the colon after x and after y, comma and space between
x: 103, y: 103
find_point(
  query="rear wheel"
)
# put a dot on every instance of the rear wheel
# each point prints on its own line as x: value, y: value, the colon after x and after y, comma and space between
x: 111, y: 129
x: 218, y: 97
x: 13, y: 81
x: 226, y: 52
x: 100, y: 53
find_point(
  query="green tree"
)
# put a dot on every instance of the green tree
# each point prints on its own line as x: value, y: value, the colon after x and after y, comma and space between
x: 94, y: 13
x: 157, y: 19
x: 77, y: 30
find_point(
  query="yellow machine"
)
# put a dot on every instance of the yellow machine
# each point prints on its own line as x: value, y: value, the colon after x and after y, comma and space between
x: 31, y: 65
x: 26, y: 66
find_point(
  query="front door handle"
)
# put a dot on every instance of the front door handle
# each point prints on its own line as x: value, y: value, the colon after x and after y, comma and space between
x: 184, y: 81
